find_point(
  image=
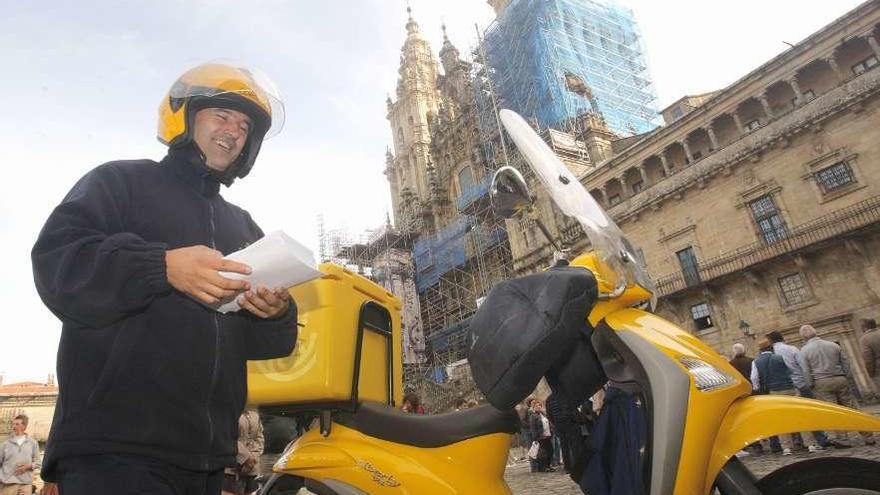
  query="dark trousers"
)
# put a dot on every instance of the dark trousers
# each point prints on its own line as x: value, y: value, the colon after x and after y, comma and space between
x: 112, y: 474
x: 545, y: 453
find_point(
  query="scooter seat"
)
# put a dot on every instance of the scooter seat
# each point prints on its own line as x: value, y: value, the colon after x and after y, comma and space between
x: 393, y: 425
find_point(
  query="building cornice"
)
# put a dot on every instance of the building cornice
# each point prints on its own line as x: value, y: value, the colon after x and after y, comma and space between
x: 750, y: 146
x: 699, y: 115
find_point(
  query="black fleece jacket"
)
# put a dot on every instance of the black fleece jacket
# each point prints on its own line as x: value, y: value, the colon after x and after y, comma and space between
x: 142, y: 368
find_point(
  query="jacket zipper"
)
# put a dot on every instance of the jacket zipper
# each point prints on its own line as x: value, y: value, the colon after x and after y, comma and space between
x: 216, y: 353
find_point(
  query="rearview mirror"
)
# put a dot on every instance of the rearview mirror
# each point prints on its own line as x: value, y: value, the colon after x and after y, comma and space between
x: 509, y: 193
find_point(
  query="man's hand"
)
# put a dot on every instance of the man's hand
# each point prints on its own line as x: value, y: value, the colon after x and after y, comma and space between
x: 50, y: 489
x: 265, y: 303
x: 194, y: 270
x: 23, y: 468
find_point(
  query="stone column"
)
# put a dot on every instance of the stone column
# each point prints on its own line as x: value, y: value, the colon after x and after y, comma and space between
x: 872, y: 41
x: 766, y: 104
x: 836, y: 68
x: 712, y: 137
x: 666, y: 170
x: 799, y: 97
x: 687, y: 151
x: 738, y: 122
x: 644, y: 174
x: 624, y: 192
x: 604, y: 190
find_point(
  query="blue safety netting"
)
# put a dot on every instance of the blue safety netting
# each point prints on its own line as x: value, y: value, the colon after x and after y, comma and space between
x: 473, y: 193
x: 535, y: 44
x: 454, y: 335
x: 452, y: 247
x: 435, y: 255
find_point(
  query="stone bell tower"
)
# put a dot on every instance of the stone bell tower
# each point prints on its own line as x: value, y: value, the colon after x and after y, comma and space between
x: 409, y: 168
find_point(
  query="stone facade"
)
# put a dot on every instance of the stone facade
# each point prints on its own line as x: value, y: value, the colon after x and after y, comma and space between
x: 758, y: 209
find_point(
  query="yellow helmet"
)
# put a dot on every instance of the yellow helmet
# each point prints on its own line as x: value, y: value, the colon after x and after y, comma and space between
x: 220, y: 85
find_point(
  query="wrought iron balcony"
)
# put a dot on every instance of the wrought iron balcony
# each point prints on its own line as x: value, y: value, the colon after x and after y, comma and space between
x: 837, y: 223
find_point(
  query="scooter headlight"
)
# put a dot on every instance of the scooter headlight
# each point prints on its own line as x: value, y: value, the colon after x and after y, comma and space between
x: 706, y: 376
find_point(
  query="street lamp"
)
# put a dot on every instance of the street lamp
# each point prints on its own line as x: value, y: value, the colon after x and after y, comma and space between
x: 746, y: 329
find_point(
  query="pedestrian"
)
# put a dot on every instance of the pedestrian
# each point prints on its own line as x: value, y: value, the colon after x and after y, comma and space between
x: 524, y: 436
x: 769, y: 373
x: 789, y: 353
x: 534, y: 463
x: 242, y: 479
x: 19, y: 456
x: 412, y: 403
x: 152, y: 379
x: 543, y: 434
x: 870, y: 343
x: 825, y: 369
x: 741, y: 362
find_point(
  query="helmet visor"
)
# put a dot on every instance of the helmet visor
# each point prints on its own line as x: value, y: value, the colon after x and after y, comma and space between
x: 216, y: 79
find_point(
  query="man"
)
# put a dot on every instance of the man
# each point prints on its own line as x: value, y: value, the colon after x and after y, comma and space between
x: 241, y: 480
x: 870, y: 342
x: 152, y: 380
x: 789, y: 353
x: 769, y: 373
x: 19, y: 456
x: 825, y: 369
x: 741, y: 362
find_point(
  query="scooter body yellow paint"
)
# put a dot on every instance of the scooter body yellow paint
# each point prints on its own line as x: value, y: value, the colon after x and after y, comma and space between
x: 760, y: 416
x: 378, y: 467
x: 719, y: 423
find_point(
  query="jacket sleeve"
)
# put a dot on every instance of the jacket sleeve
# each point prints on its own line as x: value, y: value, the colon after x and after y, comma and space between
x: 258, y: 441
x: 87, y: 267
x: 844, y: 362
x: 805, y: 367
x: 755, y: 377
x: 35, y: 458
x: 269, y: 338
x: 869, y: 357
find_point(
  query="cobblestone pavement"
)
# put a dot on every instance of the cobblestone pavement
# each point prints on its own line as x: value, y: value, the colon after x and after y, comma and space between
x: 522, y: 482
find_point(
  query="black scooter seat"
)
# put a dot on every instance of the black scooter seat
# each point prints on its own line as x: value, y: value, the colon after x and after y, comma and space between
x: 393, y: 425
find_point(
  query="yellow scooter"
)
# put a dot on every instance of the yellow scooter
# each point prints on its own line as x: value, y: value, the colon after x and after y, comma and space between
x: 700, y: 411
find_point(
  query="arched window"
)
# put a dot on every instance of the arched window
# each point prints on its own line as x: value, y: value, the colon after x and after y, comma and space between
x: 400, y: 135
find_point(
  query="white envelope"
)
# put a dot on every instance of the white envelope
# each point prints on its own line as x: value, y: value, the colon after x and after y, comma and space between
x: 276, y: 261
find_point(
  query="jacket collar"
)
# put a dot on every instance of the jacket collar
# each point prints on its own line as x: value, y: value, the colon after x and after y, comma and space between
x: 188, y: 164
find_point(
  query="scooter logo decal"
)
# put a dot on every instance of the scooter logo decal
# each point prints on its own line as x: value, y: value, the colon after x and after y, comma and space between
x: 378, y: 476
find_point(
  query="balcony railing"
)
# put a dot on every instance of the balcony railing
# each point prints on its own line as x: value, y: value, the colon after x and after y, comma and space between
x: 845, y: 220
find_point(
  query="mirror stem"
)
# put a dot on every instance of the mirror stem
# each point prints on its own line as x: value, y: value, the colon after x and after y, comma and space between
x: 547, y: 234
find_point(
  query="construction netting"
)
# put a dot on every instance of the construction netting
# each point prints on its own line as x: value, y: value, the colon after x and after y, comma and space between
x: 554, y: 59
x: 452, y: 247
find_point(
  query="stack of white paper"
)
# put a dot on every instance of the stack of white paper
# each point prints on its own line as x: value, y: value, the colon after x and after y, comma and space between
x: 276, y: 261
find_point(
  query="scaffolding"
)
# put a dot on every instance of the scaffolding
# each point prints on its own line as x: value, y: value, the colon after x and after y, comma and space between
x: 554, y: 59
x: 458, y: 265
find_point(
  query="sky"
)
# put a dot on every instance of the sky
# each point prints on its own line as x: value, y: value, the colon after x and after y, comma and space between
x: 83, y: 80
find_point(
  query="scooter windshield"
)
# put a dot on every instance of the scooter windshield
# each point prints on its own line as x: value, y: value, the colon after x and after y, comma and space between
x: 574, y: 201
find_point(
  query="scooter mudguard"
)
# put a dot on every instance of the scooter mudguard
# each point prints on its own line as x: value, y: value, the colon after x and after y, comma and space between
x: 761, y: 416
